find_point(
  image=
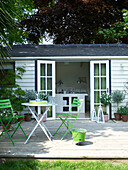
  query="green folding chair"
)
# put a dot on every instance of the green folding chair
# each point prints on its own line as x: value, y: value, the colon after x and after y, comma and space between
x: 7, y: 115
x: 64, y: 117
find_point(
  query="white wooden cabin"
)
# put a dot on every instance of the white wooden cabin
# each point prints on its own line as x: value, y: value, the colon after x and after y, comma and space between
x: 77, y: 70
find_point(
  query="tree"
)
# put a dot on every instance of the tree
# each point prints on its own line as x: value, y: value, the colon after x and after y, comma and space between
x: 11, y: 13
x: 7, y: 23
x: 117, y: 32
x: 125, y: 17
x: 72, y: 21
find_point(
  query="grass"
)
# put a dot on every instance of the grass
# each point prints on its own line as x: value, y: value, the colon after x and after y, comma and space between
x: 61, y: 165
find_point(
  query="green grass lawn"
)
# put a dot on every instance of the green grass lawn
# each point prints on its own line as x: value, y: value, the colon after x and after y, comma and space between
x: 61, y: 165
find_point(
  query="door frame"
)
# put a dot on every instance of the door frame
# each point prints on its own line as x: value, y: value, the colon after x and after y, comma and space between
x: 39, y: 62
x: 92, y: 81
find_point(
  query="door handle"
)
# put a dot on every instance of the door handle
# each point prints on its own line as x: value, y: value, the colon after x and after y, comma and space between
x: 107, y: 90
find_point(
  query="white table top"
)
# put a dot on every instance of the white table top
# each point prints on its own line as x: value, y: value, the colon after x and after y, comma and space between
x: 36, y: 104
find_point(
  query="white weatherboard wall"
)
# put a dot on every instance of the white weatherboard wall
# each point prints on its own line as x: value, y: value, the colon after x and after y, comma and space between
x: 119, y: 76
x: 28, y: 79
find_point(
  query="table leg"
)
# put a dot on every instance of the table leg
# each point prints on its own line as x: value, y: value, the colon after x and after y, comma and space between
x: 44, y: 128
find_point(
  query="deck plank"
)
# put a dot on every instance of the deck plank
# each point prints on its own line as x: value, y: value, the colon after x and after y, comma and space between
x: 108, y: 140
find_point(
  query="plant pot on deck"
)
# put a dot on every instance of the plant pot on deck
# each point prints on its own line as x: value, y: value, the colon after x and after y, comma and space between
x: 124, y: 118
x: 19, y: 119
x: 105, y: 117
x: 28, y: 116
x: 44, y: 118
x: 117, y: 116
x: 8, y: 127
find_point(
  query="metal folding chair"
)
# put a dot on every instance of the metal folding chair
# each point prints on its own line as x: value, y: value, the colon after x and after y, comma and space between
x: 64, y: 117
x: 5, y: 105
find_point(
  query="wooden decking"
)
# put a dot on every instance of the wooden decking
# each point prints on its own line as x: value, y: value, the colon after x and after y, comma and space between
x: 108, y: 140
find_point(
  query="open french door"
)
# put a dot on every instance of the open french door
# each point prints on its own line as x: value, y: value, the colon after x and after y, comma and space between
x: 99, y: 82
x: 46, y: 83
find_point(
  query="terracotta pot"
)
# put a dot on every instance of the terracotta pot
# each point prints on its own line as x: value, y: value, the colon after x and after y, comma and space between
x: 19, y: 119
x: 105, y: 117
x: 117, y: 116
x: 8, y: 127
x: 28, y: 116
x: 124, y: 118
x: 44, y: 118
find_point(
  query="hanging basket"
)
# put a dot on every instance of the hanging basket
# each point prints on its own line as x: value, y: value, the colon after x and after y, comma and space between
x: 78, y: 135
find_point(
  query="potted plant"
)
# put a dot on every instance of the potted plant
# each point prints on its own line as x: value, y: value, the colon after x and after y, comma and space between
x: 29, y: 95
x: 117, y: 97
x: 105, y: 100
x: 123, y: 111
x: 4, y: 116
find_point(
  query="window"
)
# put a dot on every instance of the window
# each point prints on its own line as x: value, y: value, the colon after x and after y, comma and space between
x: 5, y: 72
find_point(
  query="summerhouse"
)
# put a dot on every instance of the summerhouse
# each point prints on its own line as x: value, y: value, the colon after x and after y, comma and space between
x: 73, y: 71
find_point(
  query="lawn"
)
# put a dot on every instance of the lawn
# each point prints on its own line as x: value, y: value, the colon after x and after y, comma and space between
x: 61, y: 165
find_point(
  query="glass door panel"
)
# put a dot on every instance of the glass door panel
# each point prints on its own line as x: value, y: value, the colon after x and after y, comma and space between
x: 103, y: 69
x: 96, y: 69
x: 96, y: 96
x: 103, y: 83
x: 96, y: 83
x: 43, y: 84
x: 42, y: 70
x: 49, y: 70
x: 49, y: 83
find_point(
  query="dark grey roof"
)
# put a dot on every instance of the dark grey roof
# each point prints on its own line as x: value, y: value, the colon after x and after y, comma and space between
x: 70, y: 50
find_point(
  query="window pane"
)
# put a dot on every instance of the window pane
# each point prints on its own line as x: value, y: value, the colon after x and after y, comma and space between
x: 96, y: 108
x: 49, y: 93
x: 42, y: 70
x: 49, y: 83
x: 103, y: 83
x: 49, y: 113
x: 103, y: 92
x: 103, y: 69
x: 96, y: 69
x: 49, y: 70
x: 96, y: 83
x: 96, y: 97
x: 5, y: 77
x: 43, y: 84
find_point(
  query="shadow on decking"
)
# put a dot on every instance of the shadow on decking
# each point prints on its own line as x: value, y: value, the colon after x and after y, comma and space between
x: 101, y: 140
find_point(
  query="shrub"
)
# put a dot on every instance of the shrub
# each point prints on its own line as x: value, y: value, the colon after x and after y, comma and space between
x: 123, y: 110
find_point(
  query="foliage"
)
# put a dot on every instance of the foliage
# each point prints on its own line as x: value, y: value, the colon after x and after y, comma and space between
x: 43, y: 96
x: 105, y: 99
x: 72, y: 21
x: 123, y: 110
x: 125, y: 17
x: 30, y: 95
x: 5, y: 114
x: 11, y: 13
x: 13, y: 91
x: 62, y: 165
x: 117, y: 97
x: 116, y: 32
x: 7, y: 23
